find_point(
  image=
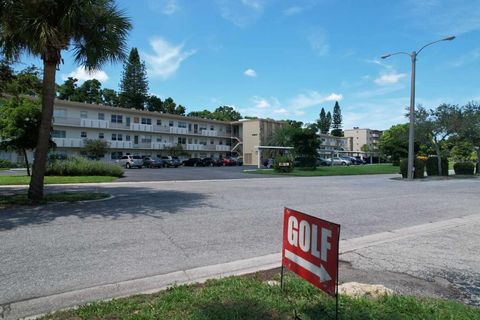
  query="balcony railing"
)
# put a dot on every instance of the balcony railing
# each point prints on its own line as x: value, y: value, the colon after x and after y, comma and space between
x: 178, y: 130
x: 222, y: 148
x: 93, y: 123
x: 209, y: 133
x: 68, y: 142
x: 141, y: 127
x: 66, y: 121
x: 120, y: 144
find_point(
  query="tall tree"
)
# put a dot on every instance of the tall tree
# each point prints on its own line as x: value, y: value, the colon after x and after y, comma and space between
x: 394, y: 142
x: 226, y: 113
x: 68, y: 89
x: 434, y: 126
x: 154, y: 103
x: 337, y: 121
x: 206, y: 114
x: 91, y: 91
x: 323, y: 123
x: 180, y: 110
x: 169, y: 105
x: 110, y: 97
x: 328, y: 121
x: 94, y: 30
x: 470, y: 130
x: 134, y: 83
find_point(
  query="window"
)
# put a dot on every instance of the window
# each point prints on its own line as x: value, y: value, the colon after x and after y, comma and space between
x: 212, y: 127
x: 101, y: 135
x: 182, y: 124
x: 117, y: 137
x: 189, y: 140
x: 182, y: 140
x: 212, y: 142
x: 59, y: 134
x: 202, y: 127
x: 146, y: 139
x: 83, y: 114
x: 159, y: 139
x: 159, y: 122
x: 204, y: 142
x: 83, y: 134
x: 220, y: 142
x: 60, y: 113
x: 127, y: 138
x: 170, y: 123
x: 146, y: 121
x: 117, y: 118
x: 101, y: 116
x: 117, y: 155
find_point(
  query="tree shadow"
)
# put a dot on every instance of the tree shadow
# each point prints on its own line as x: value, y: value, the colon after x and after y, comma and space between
x: 127, y: 202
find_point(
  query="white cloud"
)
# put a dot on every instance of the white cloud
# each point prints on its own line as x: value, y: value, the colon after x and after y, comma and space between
x: 166, y: 59
x: 250, y: 73
x: 166, y: 7
x: 83, y: 74
x: 261, y: 103
x: 318, y: 41
x: 313, y: 98
x: 280, y: 111
x: 299, y: 113
x: 241, y: 13
x: 389, y: 78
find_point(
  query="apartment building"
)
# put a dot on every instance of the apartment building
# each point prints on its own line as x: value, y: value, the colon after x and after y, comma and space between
x: 334, y: 144
x: 145, y: 133
x: 361, y: 137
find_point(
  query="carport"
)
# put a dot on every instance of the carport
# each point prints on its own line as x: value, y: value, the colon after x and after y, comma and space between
x: 259, y: 150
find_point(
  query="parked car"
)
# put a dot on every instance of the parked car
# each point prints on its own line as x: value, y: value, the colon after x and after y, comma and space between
x: 153, y: 162
x: 238, y: 161
x: 170, y: 161
x: 228, y: 161
x: 212, y: 162
x: 130, y: 161
x: 355, y: 160
x: 337, y: 161
x: 323, y: 162
x: 193, y: 162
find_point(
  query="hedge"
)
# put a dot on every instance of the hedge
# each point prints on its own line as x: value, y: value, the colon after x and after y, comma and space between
x: 7, y: 164
x: 78, y: 166
x: 432, y: 166
x: 283, y: 164
x: 466, y: 168
x: 419, y: 165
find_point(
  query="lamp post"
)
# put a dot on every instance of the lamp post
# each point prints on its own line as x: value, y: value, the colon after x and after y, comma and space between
x: 411, y: 133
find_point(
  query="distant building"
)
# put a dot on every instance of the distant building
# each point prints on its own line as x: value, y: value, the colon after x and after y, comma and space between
x: 334, y: 144
x: 360, y: 137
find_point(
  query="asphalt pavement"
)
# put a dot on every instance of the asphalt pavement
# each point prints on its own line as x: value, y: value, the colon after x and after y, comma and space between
x: 156, y: 228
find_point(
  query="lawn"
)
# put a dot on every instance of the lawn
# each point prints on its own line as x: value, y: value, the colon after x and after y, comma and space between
x: 18, y: 180
x: 335, y: 170
x: 21, y: 198
x: 251, y: 298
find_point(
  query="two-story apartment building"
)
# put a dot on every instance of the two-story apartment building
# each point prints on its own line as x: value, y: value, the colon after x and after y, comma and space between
x: 364, y: 136
x: 145, y: 133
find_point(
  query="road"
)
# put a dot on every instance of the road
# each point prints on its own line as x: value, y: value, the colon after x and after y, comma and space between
x: 159, y: 227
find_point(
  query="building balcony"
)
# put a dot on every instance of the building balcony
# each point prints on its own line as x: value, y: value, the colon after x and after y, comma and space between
x: 162, y: 129
x: 161, y: 145
x: 195, y: 147
x: 222, y: 148
x: 120, y: 144
x: 94, y: 123
x: 66, y: 121
x: 178, y: 130
x: 68, y: 142
x: 209, y: 133
x: 141, y: 127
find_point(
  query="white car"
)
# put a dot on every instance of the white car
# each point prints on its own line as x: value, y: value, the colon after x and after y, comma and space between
x: 337, y: 161
x: 130, y: 161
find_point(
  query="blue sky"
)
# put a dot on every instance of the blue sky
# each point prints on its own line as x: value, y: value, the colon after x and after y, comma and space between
x: 287, y: 59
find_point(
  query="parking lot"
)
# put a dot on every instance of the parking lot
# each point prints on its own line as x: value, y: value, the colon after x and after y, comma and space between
x: 189, y: 173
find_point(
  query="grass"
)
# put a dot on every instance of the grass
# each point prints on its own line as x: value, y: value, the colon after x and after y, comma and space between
x: 21, y: 199
x: 335, y: 170
x: 19, y: 180
x: 250, y: 298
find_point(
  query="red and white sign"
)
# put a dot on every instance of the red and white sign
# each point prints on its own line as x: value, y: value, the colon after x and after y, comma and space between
x: 310, y: 249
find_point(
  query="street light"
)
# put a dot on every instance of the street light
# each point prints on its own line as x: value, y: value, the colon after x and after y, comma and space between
x: 411, y: 134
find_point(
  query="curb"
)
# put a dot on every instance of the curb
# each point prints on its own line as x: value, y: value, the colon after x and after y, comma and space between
x: 35, y: 307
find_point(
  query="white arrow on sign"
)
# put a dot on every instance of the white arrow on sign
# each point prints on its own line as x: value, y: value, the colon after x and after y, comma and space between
x: 319, y: 271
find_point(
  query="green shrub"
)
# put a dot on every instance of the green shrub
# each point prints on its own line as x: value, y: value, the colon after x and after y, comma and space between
x: 467, y: 168
x: 78, y: 166
x: 432, y: 166
x: 306, y: 163
x: 419, y: 165
x: 396, y: 163
x: 7, y: 164
x: 283, y: 164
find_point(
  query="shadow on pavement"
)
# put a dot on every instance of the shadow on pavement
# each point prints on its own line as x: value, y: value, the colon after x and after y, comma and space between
x: 127, y: 203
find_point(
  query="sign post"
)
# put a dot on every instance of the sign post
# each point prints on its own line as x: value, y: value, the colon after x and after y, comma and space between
x: 310, y: 249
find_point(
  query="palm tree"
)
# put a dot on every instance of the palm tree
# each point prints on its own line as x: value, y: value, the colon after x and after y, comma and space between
x: 95, y: 30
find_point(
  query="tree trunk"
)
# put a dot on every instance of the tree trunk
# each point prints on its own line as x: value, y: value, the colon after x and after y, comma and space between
x: 26, y: 161
x: 439, y: 158
x: 35, y: 191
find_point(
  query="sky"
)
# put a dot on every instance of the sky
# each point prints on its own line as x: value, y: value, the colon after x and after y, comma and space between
x: 288, y: 59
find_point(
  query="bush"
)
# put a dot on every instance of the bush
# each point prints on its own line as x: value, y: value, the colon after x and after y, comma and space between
x: 283, y: 164
x: 78, y: 166
x: 7, y: 164
x: 306, y: 163
x: 467, y: 168
x: 419, y: 165
x: 432, y: 166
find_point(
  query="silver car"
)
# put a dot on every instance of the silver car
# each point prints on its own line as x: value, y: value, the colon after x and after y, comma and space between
x: 337, y: 161
x: 130, y: 161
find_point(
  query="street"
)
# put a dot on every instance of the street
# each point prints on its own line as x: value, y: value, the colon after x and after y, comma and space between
x: 155, y: 228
